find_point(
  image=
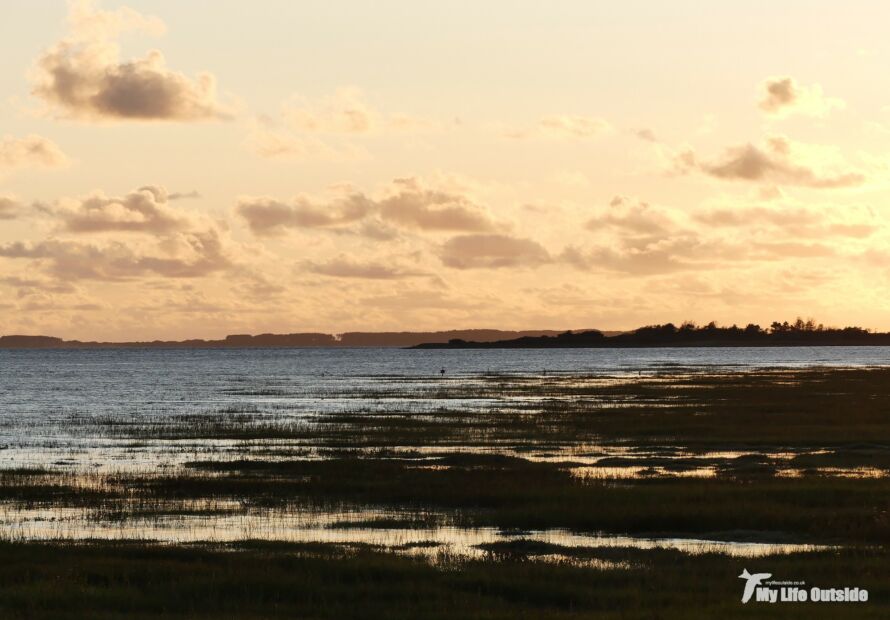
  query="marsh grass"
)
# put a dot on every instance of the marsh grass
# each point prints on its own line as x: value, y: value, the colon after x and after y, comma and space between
x: 274, y: 580
x: 778, y: 407
x: 473, y: 490
x: 790, y: 456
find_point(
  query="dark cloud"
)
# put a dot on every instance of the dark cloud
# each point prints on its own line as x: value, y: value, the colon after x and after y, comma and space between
x: 492, y: 251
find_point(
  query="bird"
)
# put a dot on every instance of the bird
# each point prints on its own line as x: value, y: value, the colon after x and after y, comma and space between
x: 753, y: 581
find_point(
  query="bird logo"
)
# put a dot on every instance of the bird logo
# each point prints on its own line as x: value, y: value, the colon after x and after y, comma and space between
x: 752, y: 582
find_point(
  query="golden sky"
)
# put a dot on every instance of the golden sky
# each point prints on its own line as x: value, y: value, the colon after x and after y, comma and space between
x: 176, y: 169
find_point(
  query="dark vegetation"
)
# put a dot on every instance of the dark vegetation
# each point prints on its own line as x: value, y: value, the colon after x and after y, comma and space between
x: 103, y: 581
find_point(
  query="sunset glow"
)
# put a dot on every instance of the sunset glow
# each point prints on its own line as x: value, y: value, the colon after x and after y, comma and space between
x: 195, y: 169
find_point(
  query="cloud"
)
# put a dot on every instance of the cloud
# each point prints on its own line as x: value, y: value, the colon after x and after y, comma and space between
x: 648, y: 258
x: 343, y: 267
x: 10, y: 207
x: 772, y: 163
x: 327, y: 128
x: 772, y: 250
x: 187, y: 255
x: 270, y: 139
x: 796, y: 221
x: 82, y: 76
x: 408, y: 302
x: 346, y: 111
x: 635, y: 237
x: 492, y: 251
x: 267, y: 216
x: 646, y: 135
x: 375, y: 228
x: 407, y: 203
x: 29, y: 151
x: 782, y: 96
x: 631, y: 217
x: 27, y: 286
x: 747, y: 216
x: 183, y: 195
x: 145, y: 210
x: 649, y: 242
x: 564, y: 126
x: 426, y: 209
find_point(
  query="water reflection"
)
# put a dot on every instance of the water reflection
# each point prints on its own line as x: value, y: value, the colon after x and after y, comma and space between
x: 346, y: 527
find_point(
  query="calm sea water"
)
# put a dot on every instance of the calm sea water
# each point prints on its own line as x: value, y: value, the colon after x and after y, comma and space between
x: 54, y: 403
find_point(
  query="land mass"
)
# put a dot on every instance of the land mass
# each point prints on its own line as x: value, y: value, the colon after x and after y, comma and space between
x: 799, y: 333
x: 308, y: 339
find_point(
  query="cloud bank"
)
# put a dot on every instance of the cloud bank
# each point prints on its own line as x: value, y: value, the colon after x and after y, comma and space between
x: 407, y: 203
x: 189, y: 255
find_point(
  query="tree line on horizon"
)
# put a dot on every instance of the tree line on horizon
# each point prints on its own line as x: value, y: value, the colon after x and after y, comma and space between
x: 799, y: 326
x: 688, y: 333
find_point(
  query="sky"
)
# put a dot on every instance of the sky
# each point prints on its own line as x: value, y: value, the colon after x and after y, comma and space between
x: 175, y: 169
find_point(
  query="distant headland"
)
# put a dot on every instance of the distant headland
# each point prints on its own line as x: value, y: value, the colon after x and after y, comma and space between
x: 688, y: 334
x: 798, y: 333
x: 309, y: 339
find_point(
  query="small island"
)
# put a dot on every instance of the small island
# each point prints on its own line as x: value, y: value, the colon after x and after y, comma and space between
x: 800, y: 333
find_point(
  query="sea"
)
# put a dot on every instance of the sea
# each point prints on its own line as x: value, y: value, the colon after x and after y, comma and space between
x: 79, y: 412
